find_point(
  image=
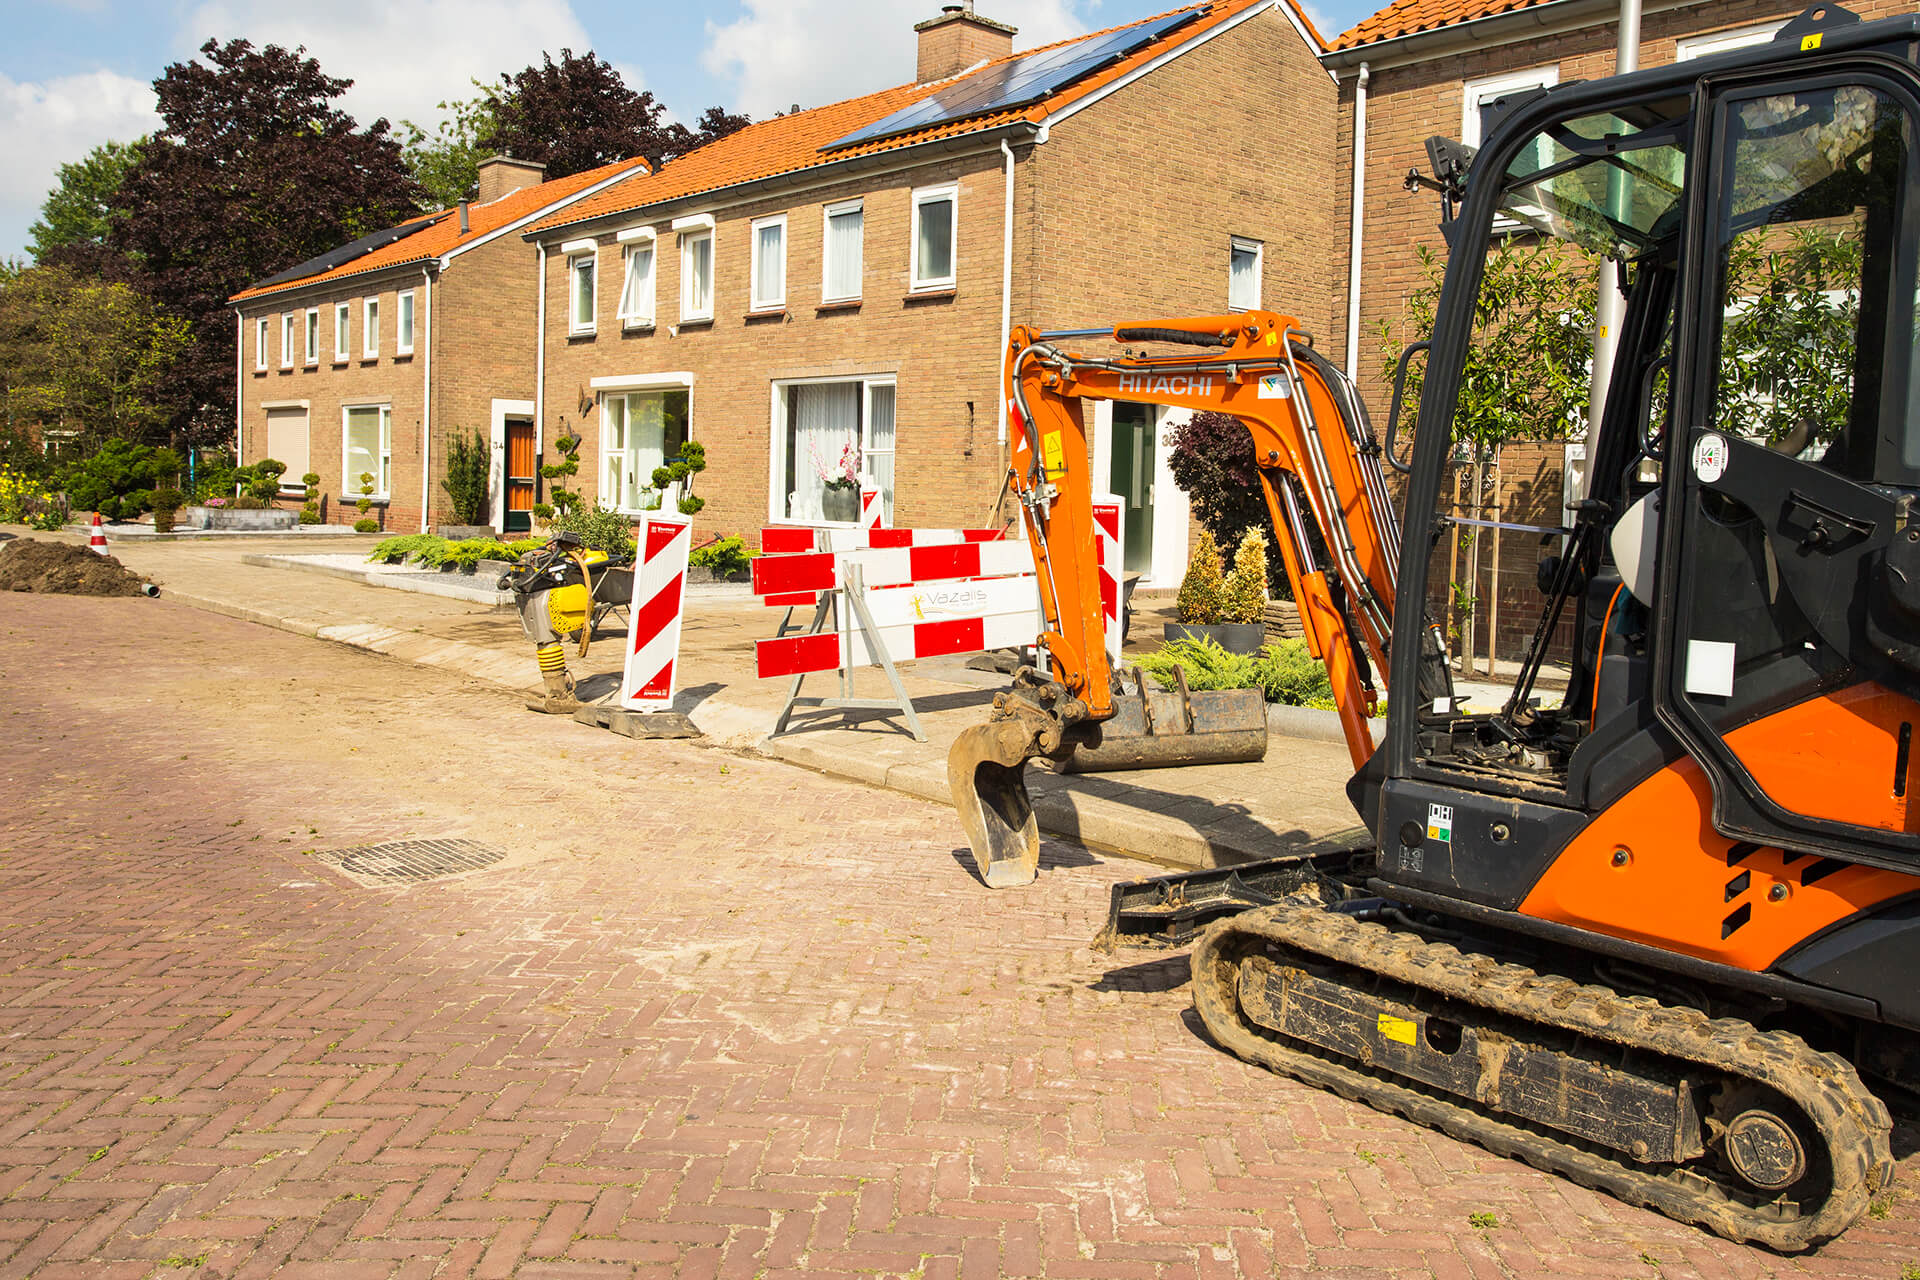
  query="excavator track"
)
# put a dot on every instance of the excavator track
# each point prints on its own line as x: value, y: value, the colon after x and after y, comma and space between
x: 1839, y: 1130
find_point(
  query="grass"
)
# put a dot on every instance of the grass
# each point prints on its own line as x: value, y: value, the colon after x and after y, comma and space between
x: 1482, y: 1221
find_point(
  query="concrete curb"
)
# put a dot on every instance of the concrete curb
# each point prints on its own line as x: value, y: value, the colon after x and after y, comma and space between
x: 1309, y: 722
x: 449, y: 586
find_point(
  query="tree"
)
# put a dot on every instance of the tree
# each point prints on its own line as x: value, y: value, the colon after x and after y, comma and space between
x: 578, y: 114
x: 83, y: 355
x: 446, y: 162
x: 78, y: 212
x: 254, y: 169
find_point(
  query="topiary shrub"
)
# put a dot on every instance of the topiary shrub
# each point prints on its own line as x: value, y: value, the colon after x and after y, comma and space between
x: 1203, y: 590
x: 1244, y: 598
x: 690, y: 462
x: 366, y: 524
x: 561, y: 501
x: 310, y: 510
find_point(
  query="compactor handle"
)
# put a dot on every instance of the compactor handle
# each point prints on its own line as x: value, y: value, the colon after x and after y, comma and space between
x: 1393, y: 413
x: 1187, y: 337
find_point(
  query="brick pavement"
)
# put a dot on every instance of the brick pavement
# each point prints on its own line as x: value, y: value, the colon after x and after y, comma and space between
x: 714, y: 1017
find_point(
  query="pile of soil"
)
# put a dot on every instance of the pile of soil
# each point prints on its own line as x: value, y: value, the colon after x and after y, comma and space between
x: 58, y: 568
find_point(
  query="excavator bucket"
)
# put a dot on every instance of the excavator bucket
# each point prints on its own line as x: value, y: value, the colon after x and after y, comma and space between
x: 986, y: 771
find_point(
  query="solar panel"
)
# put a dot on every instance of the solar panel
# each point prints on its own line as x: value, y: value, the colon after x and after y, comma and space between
x: 348, y: 252
x: 1020, y: 82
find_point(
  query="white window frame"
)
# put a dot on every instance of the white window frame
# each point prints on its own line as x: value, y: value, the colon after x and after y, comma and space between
x: 1245, y: 244
x: 350, y: 484
x: 580, y: 259
x: 777, y: 460
x: 635, y: 242
x: 311, y: 347
x: 342, y: 327
x: 403, y: 322
x: 286, y: 340
x: 949, y: 191
x: 260, y: 327
x: 758, y: 298
x: 827, y: 215
x: 669, y: 496
x: 688, y: 239
x: 370, y: 329
x: 1476, y: 94
x: 1705, y: 46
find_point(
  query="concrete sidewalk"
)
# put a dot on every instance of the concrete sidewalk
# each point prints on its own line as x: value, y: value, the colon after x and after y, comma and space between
x: 1193, y: 817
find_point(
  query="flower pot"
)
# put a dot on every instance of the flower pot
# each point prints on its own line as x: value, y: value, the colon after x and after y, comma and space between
x: 842, y: 505
x: 1234, y: 637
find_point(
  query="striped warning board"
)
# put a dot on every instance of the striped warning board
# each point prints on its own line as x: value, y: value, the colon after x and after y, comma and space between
x: 916, y: 620
x: 1107, y: 514
x: 891, y: 566
x: 659, y: 589
x: 801, y: 539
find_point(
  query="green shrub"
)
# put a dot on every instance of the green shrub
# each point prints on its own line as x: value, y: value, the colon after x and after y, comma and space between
x: 119, y: 478
x: 404, y: 546
x: 1203, y: 590
x: 604, y: 530
x: 1285, y: 672
x: 366, y: 524
x: 563, y: 502
x: 264, y: 485
x: 1244, y: 595
x: 726, y: 557
x: 690, y: 462
x: 310, y: 509
x: 468, y: 460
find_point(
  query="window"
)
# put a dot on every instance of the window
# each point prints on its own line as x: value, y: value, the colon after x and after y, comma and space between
x: 582, y: 292
x: 842, y: 264
x: 768, y: 291
x: 826, y: 436
x: 342, y: 316
x: 696, y: 275
x: 639, y: 431
x: 260, y: 343
x: 313, y: 335
x: 1481, y: 109
x: 286, y: 341
x: 1244, y: 259
x: 936, y: 220
x: 1725, y: 41
x: 370, y: 329
x: 367, y: 447
x: 403, y: 324
x: 636, y: 288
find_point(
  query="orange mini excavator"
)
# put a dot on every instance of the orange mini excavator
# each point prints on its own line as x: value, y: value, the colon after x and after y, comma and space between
x: 1652, y: 924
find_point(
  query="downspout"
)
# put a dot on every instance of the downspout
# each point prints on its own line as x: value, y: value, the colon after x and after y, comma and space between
x: 1356, y: 220
x: 1006, y: 292
x: 239, y: 382
x: 540, y: 355
x: 426, y: 404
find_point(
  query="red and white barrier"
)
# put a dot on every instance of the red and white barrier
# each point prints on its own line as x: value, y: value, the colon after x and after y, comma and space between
x: 920, y: 620
x: 98, y: 541
x: 781, y: 540
x: 872, y: 509
x: 659, y: 589
x: 1108, y: 512
x: 891, y: 566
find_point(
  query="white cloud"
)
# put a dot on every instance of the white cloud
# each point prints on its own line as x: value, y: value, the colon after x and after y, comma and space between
x: 404, y: 56
x: 810, y: 52
x: 53, y: 122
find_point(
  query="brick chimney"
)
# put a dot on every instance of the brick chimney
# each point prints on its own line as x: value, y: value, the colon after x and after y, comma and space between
x: 503, y: 175
x: 958, y: 39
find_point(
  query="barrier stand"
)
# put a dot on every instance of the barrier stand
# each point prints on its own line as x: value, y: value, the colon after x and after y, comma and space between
x: 644, y: 705
x: 852, y: 589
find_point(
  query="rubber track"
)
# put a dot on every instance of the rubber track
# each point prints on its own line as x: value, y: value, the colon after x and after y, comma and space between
x: 1853, y: 1123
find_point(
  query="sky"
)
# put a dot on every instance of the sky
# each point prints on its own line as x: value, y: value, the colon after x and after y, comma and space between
x: 76, y: 73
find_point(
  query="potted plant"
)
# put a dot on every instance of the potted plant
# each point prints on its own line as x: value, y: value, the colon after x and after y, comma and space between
x: 165, y: 503
x: 1219, y: 607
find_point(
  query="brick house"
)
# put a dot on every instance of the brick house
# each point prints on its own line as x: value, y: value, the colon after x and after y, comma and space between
x: 1419, y: 68
x: 836, y: 284
x: 367, y: 359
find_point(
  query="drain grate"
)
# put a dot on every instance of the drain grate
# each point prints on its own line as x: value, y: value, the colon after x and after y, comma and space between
x: 409, y: 861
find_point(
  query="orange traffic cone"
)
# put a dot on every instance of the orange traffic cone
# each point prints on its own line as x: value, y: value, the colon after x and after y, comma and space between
x: 99, y: 539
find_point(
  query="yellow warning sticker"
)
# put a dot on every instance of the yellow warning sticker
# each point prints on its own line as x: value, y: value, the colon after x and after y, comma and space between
x: 1054, y: 453
x: 1400, y: 1029
x: 1811, y: 42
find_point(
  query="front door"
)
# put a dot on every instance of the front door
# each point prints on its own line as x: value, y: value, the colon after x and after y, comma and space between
x: 1130, y: 471
x: 520, y: 475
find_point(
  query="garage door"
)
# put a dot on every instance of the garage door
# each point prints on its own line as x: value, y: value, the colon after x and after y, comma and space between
x: 287, y: 442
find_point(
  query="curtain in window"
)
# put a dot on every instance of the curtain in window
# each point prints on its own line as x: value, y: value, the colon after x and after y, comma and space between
x: 646, y: 447
x: 583, y: 293
x: 936, y: 239
x: 1243, y: 279
x: 879, y: 459
x: 843, y: 254
x: 696, y: 291
x: 823, y: 421
x: 770, y: 263
x: 637, y: 295
x: 613, y: 452
x: 366, y: 452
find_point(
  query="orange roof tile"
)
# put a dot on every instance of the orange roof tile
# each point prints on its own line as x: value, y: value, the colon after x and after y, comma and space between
x: 1404, y: 17
x: 791, y: 144
x: 445, y: 236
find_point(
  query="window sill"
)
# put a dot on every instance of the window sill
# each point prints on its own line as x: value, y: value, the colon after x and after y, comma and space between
x: 845, y: 304
x: 340, y: 362
x: 931, y: 295
x: 637, y: 326
x: 260, y: 373
x: 573, y: 334
x: 403, y: 357
x: 770, y: 313
x: 370, y: 359
x: 697, y: 322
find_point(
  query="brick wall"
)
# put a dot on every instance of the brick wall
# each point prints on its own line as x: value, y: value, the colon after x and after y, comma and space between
x: 330, y: 386
x: 484, y: 340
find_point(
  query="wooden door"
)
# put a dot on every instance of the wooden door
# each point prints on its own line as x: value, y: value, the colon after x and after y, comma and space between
x: 521, y: 475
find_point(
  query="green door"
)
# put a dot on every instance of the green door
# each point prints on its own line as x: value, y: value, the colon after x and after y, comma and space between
x: 1130, y: 469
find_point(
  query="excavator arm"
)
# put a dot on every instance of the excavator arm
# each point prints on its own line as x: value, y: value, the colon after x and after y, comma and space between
x: 1319, y: 470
